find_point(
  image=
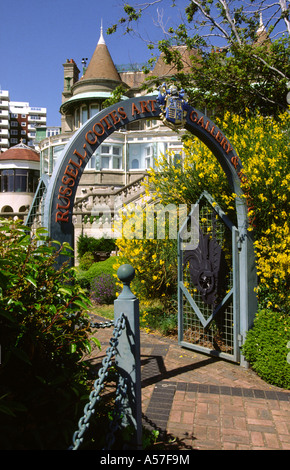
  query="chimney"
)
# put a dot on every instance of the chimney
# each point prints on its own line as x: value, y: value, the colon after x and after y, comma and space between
x: 71, y: 76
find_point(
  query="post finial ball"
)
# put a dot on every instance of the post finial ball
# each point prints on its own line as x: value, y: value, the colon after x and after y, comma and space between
x: 126, y: 273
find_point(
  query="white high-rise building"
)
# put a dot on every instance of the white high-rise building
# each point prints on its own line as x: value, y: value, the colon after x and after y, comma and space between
x: 23, y: 122
x: 4, y: 120
x: 18, y: 122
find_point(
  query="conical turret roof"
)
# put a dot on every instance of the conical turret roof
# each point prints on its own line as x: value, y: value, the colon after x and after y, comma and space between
x: 101, y: 65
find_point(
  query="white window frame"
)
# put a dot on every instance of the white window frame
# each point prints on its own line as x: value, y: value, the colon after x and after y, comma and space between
x: 149, y: 152
x: 114, y: 155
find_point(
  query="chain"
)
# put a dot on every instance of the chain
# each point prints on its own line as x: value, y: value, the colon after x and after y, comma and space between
x: 121, y: 392
x: 105, y: 324
x: 94, y: 396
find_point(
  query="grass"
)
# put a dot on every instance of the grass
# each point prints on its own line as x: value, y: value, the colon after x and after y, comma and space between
x: 106, y: 311
x: 153, y: 318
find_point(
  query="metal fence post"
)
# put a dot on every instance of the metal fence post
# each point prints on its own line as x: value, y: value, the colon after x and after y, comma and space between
x: 128, y: 355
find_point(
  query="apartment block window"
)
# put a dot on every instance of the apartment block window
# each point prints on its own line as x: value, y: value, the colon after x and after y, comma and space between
x: 50, y: 132
x: 150, y: 123
x: 84, y: 113
x: 14, y: 124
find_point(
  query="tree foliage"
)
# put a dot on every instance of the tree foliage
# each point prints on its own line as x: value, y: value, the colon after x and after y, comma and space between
x: 240, y: 51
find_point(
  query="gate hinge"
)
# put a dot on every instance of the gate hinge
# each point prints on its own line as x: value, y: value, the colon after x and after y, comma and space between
x: 240, y: 340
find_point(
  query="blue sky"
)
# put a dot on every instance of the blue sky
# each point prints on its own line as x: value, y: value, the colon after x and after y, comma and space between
x: 37, y: 36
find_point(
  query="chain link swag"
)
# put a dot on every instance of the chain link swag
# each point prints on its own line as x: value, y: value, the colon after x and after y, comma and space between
x: 99, y: 385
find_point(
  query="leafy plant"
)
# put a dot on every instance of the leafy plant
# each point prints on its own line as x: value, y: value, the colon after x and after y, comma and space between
x: 266, y: 347
x: 161, y: 317
x: 44, y: 336
x: 85, y: 278
x: 86, y: 261
x: 86, y: 244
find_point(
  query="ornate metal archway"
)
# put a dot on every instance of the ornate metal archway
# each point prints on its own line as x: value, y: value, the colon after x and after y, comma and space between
x: 61, y: 191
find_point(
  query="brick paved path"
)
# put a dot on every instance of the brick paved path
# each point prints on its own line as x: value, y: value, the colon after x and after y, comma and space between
x: 199, y: 402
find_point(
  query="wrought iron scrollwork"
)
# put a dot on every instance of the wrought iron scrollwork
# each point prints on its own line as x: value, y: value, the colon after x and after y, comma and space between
x: 207, y: 268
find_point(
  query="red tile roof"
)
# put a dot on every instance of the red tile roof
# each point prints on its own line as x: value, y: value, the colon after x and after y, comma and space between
x: 20, y: 152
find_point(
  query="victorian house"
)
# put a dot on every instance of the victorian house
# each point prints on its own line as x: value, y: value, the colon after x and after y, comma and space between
x: 128, y: 153
x: 119, y: 165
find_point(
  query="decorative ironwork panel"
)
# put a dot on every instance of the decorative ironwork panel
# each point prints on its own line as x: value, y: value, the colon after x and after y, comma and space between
x: 208, y: 314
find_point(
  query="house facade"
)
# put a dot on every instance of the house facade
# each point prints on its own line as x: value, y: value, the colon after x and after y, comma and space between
x: 127, y: 154
x: 19, y: 176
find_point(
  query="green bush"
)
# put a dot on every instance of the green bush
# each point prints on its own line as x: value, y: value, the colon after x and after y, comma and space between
x: 93, y: 245
x: 266, y: 347
x: 85, y: 278
x: 44, y: 337
x: 86, y: 261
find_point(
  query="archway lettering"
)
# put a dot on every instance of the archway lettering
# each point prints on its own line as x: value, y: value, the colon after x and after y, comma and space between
x: 59, y: 200
x: 65, y: 179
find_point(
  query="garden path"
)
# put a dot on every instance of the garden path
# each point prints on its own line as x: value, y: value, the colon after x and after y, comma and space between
x: 198, y: 402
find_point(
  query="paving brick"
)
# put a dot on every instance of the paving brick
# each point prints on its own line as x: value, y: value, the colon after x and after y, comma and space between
x: 188, y: 417
x: 257, y: 438
x: 260, y: 422
x: 235, y: 435
x: 175, y: 416
x: 272, y: 441
x: 229, y: 446
x: 205, y: 403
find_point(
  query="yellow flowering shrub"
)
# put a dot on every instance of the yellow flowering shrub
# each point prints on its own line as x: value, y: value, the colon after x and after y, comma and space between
x: 263, y: 146
x: 154, y: 260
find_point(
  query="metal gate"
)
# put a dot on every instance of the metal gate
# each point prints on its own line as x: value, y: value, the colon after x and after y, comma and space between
x: 208, y: 300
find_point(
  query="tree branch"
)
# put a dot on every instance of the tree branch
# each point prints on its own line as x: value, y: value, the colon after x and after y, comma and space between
x: 270, y: 67
x: 211, y: 19
x: 285, y: 12
x: 230, y: 20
